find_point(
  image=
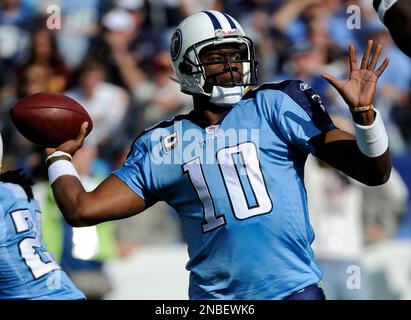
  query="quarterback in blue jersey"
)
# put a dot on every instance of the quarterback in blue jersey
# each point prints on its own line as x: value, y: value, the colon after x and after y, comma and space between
x: 233, y: 167
x: 27, y: 271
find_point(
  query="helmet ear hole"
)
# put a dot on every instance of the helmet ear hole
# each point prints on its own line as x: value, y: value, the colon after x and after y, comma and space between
x: 185, y: 68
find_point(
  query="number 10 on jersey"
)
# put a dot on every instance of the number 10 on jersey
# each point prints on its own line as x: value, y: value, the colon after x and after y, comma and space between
x: 247, y: 192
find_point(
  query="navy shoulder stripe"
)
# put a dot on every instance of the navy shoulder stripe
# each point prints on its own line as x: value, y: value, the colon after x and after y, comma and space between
x: 162, y: 124
x: 303, y: 95
x: 267, y: 86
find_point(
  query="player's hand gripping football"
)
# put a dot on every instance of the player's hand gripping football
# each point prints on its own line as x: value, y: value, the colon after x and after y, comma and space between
x: 360, y: 88
x: 70, y: 146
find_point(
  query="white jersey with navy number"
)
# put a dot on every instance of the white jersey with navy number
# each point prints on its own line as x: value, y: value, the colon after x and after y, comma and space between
x: 238, y: 189
x: 27, y: 270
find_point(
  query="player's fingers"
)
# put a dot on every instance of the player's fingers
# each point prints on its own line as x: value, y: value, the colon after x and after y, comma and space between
x: 375, y: 58
x: 332, y: 80
x: 83, y: 132
x: 381, y: 69
x: 353, y: 58
x: 49, y: 151
x: 366, y: 55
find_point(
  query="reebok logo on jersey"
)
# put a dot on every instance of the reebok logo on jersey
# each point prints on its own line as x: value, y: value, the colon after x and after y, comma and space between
x: 304, y: 86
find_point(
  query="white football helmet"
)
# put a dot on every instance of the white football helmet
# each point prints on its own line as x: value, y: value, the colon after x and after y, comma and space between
x: 205, y: 29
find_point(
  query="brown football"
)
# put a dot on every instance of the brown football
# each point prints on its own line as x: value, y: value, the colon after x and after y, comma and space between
x: 49, y: 119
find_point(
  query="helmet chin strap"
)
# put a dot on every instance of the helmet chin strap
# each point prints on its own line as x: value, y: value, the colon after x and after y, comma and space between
x: 226, y: 96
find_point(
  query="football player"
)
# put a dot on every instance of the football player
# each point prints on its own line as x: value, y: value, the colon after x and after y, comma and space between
x: 396, y: 15
x: 233, y: 167
x: 26, y: 267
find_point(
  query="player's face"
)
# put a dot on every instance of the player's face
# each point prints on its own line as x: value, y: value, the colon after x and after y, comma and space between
x: 222, y: 66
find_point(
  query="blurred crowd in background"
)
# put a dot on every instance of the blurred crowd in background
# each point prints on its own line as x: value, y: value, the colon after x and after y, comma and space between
x: 112, y: 56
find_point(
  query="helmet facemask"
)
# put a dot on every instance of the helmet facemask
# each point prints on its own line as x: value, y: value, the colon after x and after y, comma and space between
x: 193, y: 69
x: 208, y: 30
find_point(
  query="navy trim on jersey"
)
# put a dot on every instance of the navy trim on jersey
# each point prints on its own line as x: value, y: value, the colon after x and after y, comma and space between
x: 214, y: 20
x: 305, y: 99
x: 265, y: 86
x: 230, y: 21
x: 162, y: 124
x: 312, y: 292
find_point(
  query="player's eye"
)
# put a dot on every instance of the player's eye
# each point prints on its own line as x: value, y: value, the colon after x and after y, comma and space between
x: 216, y: 59
x: 235, y: 57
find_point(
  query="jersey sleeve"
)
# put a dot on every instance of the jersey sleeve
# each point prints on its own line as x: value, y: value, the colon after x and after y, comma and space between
x: 6, y: 199
x: 136, y: 173
x: 3, y: 229
x: 297, y: 112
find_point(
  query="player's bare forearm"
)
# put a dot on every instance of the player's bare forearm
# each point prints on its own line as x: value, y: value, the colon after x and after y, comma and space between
x: 67, y: 191
x: 339, y: 149
x: 111, y: 200
x: 366, y: 159
x: 365, y: 118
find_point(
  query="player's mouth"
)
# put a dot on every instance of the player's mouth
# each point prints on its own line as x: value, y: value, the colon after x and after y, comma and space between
x: 230, y: 81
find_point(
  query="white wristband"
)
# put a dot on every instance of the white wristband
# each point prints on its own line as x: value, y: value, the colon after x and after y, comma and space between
x: 61, y: 168
x: 58, y: 154
x: 385, y: 5
x: 372, y: 140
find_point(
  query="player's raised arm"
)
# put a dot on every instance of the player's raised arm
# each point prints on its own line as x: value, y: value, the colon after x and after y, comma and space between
x: 364, y: 157
x: 111, y: 200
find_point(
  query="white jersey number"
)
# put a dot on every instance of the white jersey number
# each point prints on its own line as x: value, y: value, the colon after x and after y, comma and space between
x: 38, y: 260
x: 232, y: 173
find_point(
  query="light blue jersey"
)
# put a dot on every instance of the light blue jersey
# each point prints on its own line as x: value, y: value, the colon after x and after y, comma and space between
x: 27, y: 270
x: 238, y: 189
